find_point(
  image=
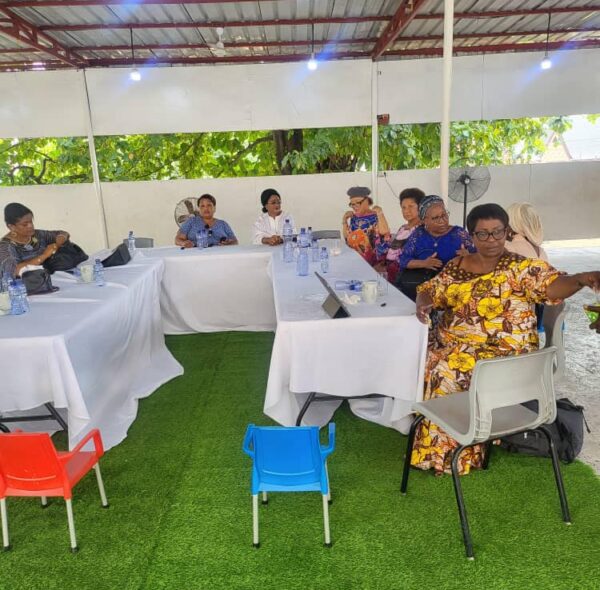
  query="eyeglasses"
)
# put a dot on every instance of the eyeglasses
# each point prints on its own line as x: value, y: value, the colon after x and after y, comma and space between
x: 357, y: 203
x: 445, y: 215
x: 274, y: 202
x: 484, y: 236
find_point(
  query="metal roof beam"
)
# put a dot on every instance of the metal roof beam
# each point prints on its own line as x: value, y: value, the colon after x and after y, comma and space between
x: 23, y: 31
x: 508, y: 13
x: 404, y: 15
x: 496, y: 34
x: 216, y: 24
x: 74, y: 3
x: 499, y: 48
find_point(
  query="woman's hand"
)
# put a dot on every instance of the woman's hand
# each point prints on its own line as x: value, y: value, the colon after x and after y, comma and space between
x: 186, y: 244
x: 61, y: 239
x: 589, y: 279
x: 347, y: 217
x: 424, y: 307
x: 273, y: 240
x: 463, y: 251
x: 50, y: 250
x: 432, y: 263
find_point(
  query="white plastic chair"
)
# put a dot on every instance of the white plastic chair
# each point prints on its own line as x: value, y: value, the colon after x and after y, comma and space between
x: 327, y: 234
x: 552, y: 320
x: 142, y: 242
x: 491, y: 409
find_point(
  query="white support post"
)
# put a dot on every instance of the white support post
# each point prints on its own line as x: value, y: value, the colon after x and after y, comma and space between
x: 446, y: 96
x: 374, y: 133
x: 94, y: 161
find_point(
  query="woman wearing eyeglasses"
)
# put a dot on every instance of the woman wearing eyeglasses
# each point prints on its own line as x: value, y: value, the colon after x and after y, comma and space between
x: 365, y: 228
x: 268, y: 228
x: 430, y: 246
x: 487, y: 303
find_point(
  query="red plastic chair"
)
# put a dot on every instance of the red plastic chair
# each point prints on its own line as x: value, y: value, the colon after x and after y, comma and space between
x: 31, y: 466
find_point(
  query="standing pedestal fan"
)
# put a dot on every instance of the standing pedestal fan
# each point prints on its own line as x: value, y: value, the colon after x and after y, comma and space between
x: 185, y: 209
x: 467, y: 184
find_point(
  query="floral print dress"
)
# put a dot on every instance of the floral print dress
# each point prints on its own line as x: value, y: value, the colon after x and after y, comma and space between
x: 364, y: 237
x: 484, y: 316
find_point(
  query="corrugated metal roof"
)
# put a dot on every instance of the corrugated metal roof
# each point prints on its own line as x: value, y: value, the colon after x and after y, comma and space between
x: 98, y: 32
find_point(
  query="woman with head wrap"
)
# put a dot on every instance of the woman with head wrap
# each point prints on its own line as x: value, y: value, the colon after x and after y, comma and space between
x: 485, y: 305
x: 430, y: 246
x: 269, y: 225
x: 24, y: 245
x: 525, y: 234
x: 365, y: 227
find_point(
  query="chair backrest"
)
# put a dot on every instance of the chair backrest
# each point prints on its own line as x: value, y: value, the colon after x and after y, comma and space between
x: 327, y: 234
x: 142, y: 242
x: 508, y: 381
x: 552, y: 320
x: 29, y: 463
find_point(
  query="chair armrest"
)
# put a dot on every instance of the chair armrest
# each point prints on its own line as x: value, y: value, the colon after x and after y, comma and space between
x: 247, y: 440
x: 93, y: 434
x: 325, y: 451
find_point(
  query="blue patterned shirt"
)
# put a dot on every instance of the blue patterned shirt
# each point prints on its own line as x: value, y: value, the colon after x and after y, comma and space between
x: 220, y: 230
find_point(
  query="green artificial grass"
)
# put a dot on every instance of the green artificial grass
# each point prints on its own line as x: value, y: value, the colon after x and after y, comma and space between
x: 180, y: 515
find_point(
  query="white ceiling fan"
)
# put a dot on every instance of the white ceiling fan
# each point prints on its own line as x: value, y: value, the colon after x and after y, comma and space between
x: 218, y: 48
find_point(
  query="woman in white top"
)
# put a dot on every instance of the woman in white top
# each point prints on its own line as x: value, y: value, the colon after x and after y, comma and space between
x: 525, y: 233
x: 269, y: 225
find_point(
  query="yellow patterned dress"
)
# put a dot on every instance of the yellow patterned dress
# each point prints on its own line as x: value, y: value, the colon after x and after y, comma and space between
x: 484, y: 316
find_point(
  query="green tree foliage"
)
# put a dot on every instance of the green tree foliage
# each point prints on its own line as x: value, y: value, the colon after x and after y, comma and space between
x: 271, y: 153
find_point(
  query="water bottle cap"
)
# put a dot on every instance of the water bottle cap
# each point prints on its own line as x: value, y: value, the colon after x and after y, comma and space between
x: 302, y: 230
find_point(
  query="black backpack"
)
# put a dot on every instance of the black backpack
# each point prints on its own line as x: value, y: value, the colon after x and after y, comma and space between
x: 567, y: 433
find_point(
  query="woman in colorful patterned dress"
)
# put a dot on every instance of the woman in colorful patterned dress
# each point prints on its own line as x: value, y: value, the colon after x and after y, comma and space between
x: 487, y: 299
x: 365, y: 228
x: 410, y: 198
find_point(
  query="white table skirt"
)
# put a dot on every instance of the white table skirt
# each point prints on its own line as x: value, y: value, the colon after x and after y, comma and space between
x: 216, y: 289
x: 92, y: 350
x: 378, y: 350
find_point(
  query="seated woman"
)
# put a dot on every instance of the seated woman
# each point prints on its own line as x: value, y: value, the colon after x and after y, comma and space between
x: 487, y: 299
x: 25, y: 245
x: 269, y: 225
x: 430, y: 246
x: 365, y: 228
x: 220, y: 234
x: 525, y: 234
x: 410, y: 198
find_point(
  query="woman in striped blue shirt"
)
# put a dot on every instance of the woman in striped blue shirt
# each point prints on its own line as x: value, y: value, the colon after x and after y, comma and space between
x: 219, y: 231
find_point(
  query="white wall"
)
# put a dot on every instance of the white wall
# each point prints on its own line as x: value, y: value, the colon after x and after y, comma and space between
x: 565, y: 194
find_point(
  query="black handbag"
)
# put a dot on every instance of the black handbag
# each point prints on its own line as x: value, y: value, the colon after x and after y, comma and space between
x: 409, y: 279
x: 38, y: 282
x: 119, y: 257
x: 68, y: 256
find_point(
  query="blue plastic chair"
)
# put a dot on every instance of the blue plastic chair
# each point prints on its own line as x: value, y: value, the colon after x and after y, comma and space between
x: 288, y: 459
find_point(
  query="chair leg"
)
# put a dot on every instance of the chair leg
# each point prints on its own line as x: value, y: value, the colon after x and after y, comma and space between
x: 44, y: 500
x: 488, y: 453
x: 462, y: 511
x: 5, y: 539
x: 71, y: 522
x: 326, y: 521
x: 255, y: 541
x: 329, y: 500
x: 265, y: 498
x: 557, y: 476
x: 103, y: 499
x: 409, y: 446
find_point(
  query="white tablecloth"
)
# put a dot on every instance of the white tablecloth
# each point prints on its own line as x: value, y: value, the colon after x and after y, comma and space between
x: 92, y: 350
x: 377, y: 350
x: 216, y: 289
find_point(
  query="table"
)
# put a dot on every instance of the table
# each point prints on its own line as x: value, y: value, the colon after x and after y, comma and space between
x: 92, y: 350
x: 378, y: 350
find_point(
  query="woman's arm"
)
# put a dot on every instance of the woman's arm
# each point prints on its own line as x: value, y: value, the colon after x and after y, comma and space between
x: 424, y: 306
x: 566, y: 285
x: 345, y: 226
x: 181, y: 240
x: 382, y: 225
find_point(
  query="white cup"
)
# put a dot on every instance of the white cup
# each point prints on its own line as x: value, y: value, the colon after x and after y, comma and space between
x: 4, y: 301
x: 87, y: 273
x: 369, y: 292
x: 335, y: 248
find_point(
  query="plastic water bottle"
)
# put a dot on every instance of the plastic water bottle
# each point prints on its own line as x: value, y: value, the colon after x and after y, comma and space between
x: 131, y: 243
x: 287, y: 234
x: 314, y: 248
x: 302, y: 262
x: 303, y: 239
x: 324, y: 259
x: 16, y: 303
x: 99, y: 273
x: 309, y: 234
x: 23, y: 294
x: 209, y: 238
